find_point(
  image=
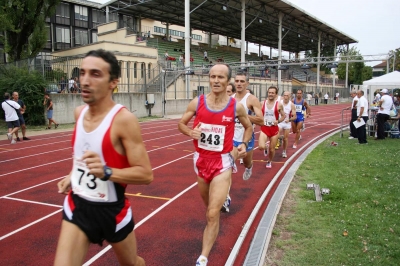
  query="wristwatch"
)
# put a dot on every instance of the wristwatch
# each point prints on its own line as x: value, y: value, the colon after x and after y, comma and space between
x: 107, y: 173
x: 246, y: 144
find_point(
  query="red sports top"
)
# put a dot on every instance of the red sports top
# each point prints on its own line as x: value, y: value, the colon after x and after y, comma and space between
x: 216, y: 126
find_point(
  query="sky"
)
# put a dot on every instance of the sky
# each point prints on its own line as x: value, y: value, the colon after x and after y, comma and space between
x: 375, y: 24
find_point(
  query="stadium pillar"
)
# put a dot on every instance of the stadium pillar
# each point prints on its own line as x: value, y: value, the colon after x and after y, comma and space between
x: 280, y: 49
x: 347, y: 67
x: 243, y: 32
x: 334, y: 69
x: 319, y: 59
x: 209, y: 39
x: 259, y: 50
x: 107, y: 14
x: 166, y: 31
x: 387, y: 65
x: 187, y: 46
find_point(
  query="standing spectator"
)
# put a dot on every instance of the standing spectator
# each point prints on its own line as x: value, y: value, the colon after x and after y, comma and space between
x: 362, y: 113
x: 20, y: 113
x: 48, y: 103
x: 384, y: 104
x: 309, y: 98
x: 337, y: 98
x: 326, y: 97
x: 205, y: 56
x: 63, y: 85
x: 148, y: 34
x: 71, y: 83
x: 354, y: 111
x: 76, y: 85
x: 181, y: 60
x: 377, y: 97
x: 316, y: 97
x: 10, y: 110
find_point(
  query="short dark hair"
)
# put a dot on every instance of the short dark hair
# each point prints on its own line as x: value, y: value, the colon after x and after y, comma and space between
x: 6, y: 96
x: 115, y: 70
x: 233, y: 86
x: 273, y: 87
x: 46, y: 93
x: 229, y: 69
x: 241, y: 73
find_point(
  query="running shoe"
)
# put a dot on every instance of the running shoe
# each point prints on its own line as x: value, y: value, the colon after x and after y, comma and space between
x: 9, y: 136
x: 56, y: 126
x: 266, y: 148
x: 300, y: 137
x: 284, y: 154
x: 25, y: 138
x: 201, y: 262
x: 13, y: 141
x: 303, y: 127
x: 225, y: 207
x: 294, y: 146
x: 241, y: 161
x: 247, y: 173
x: 277, y: 145
x: 18, y: 139
x: 269, y: 165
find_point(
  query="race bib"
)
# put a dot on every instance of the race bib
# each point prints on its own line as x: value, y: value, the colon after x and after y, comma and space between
x: 299, y: 108
x: 85, y: 184
x: 269, y: 121
x: 212, y: 137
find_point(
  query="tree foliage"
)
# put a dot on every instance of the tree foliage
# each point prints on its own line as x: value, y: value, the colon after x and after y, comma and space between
x: 395, y: 52
x: 30, y: 87
x: 356, y: 74
x: 24, y: 25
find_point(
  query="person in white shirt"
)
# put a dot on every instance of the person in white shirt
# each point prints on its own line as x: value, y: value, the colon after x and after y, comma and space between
x: 205, y: 56
x: 326, y: 97
x: 10, y: 110
x: 337, y: 98
x: 362, y: 113
x: 384, y: 104
x: 309, y: 98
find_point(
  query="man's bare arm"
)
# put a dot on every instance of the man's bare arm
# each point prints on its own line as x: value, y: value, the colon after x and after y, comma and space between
x: 258, y: 118
x: 244, y: 120
x: 187, y: 116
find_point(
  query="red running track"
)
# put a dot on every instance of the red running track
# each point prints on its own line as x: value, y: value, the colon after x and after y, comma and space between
x: 169, y: 213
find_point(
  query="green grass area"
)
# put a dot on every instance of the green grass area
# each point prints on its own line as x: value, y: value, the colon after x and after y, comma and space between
x: 358, y: 223
x: 3, y: 129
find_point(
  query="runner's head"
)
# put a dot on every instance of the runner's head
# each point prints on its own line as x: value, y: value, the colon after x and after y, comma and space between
x: 241, y: 82
x: 272, y: 93
x: 15, y: 96
x: 230, y: 89
x: 220, y: 75
x: 99, y: 75
x: 286, y: 96
x: 299, y: 94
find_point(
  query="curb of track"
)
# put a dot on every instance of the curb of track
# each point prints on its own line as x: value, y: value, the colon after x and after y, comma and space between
x: 259, y: 244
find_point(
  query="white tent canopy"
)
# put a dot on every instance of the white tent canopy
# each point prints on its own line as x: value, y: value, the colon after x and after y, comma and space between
x: 389, y: 81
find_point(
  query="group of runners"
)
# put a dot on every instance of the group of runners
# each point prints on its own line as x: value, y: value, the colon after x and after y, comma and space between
x: 109, y: 154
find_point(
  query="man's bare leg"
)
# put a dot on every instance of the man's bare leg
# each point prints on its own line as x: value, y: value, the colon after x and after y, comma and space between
x: 126, y: 251
x: 72, y: 245
x: 213, y: 195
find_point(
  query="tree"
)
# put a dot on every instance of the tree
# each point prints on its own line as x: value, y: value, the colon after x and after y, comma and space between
x: 356, y: 69
x: 24, y: 25
x: 397, y: 60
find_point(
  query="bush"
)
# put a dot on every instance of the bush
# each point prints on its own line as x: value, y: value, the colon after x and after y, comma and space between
x: 30, y: 87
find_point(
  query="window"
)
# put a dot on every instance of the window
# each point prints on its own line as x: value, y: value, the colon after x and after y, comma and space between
x: 81, y: 13
x: 62, y: 14
x: 94, y: 36
x: 81, y: 37
x: 63, y: 35
x: 99, y: 17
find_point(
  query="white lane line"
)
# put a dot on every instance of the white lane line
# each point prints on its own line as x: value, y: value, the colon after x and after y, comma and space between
x: 34, y: 202
x: 28, y: 147
x: 33, y: 167
x: 30, y: 224
x: 34, y: 155
x: 38, y: 185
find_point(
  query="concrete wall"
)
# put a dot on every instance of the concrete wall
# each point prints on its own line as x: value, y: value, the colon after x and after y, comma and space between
x: 65, y: 104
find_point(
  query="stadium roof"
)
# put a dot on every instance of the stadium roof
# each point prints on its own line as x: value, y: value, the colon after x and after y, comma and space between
x: 300, y: 29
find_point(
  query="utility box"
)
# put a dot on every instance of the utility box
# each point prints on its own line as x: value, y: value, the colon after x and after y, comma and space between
x: 150, y: 99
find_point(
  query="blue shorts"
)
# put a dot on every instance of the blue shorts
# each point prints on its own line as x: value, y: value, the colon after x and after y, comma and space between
x: 299, y: 118
x: 21, y: 120
x: 49, y: 114
x: 250, y: 146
